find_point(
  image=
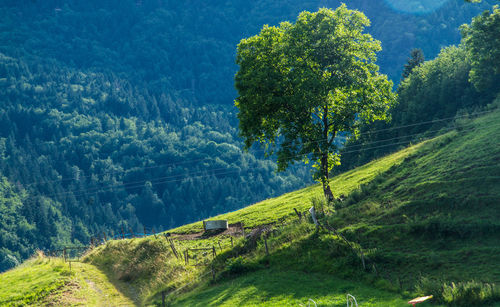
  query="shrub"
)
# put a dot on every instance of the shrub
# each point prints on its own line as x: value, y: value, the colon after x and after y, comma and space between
x: 319, y: 202
x: 240, y: 265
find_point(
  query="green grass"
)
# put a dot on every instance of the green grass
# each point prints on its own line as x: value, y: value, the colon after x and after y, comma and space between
x: 271, y: 210
x: 288, y: 288
x: 429, y: 211
x: 437, y: 214
x: 142, y: 267
x: 50, y: 281
x: 33, y: 281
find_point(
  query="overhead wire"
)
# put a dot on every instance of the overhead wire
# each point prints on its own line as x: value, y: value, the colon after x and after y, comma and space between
x: 204, y: 173
x: 255, y: 150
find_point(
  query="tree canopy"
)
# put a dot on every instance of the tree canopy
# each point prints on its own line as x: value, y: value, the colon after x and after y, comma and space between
x: 416, y: 58
x: 481, y: 41
x: 301, y: 85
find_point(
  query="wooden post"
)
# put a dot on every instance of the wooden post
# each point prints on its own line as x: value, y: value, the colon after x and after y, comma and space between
x: 144, y: 227
x: 186, y: 256
x: 298, y: 214
x: 104, y: 236
x: 265, y: 243
x: 213, y: 251
x: 64, y: 254
x: 174, y: 250
x: 123, y: 233
x: 220, y: 246
x: 154, y: 232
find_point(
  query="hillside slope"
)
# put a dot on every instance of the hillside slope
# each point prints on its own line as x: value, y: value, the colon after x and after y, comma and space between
x: 425, y: 220
x: 423, y: 217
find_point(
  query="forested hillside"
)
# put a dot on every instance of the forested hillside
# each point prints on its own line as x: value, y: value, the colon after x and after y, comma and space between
x: 462, y: 79
x: 119, y: 113
x: 72, y: 147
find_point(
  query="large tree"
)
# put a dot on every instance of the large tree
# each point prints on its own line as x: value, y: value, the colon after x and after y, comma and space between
x: 302, y: 84
x: 482, y: 41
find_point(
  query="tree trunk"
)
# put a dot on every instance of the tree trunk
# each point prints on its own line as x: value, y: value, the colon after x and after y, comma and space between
x: 325, y: 178
x: 324, y: 158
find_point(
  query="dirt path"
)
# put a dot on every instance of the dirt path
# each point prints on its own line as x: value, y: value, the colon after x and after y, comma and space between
x: 231, y: 231
x: 89, y: 287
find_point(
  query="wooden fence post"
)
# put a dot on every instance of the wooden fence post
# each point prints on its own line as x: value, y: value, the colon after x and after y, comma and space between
x: 144, y: 227
x: 220, y: 246
x: 232, y: 245
x: 172, y: 246
x: 104, y: 236
x: 154, y: 232
x: 213, y: 251
x: 123, y: 233
x: 298, y: 214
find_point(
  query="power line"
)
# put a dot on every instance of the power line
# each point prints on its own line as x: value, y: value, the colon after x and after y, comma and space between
x: 256, y: 150
x: 215, y: 172
x: 165, y: 179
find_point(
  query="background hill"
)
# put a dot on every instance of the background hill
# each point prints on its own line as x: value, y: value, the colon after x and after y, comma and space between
x: 119, y: 113
x: 425, y: 220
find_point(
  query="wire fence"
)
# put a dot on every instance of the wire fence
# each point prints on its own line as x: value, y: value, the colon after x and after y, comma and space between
x: 205, y: 256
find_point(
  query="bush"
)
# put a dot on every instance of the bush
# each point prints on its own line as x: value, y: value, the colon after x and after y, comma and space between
x: 240, y: 265
x: 319, y: 202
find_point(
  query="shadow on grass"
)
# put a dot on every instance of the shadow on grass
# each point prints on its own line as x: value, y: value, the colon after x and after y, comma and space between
x: 283, y: 288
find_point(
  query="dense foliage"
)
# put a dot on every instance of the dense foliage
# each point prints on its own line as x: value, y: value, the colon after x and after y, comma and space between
x: 73, y: 146
x: 190, y: 45
x: 434, y: 92
x: 481, y: 39
x: 302, y: 84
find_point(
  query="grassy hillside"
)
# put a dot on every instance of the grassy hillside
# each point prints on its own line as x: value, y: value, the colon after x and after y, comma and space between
x: 271, y: 210
x: 426, y: 220
x: 51, y: 281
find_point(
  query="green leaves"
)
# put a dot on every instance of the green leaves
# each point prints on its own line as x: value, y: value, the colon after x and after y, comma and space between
x: 482, y: 43
x: 301, y: 84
